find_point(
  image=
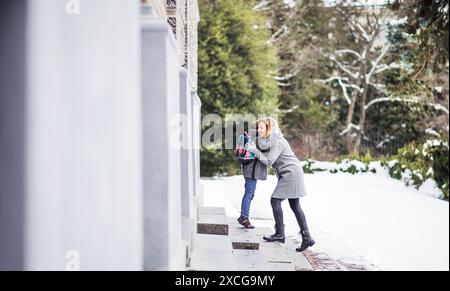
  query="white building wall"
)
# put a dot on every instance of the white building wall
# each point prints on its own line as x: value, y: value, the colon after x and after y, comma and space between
x: 89, y: 101
x: 82, y: 146
x: 162, y: 182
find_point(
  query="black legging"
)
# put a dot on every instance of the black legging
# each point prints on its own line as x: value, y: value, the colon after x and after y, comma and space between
x: 295, y: 206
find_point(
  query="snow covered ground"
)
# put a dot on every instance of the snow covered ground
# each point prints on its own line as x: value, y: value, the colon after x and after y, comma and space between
x: 365, y: 219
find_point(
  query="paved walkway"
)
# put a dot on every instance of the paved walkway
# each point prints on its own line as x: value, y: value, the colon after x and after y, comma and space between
x: 221, y: 244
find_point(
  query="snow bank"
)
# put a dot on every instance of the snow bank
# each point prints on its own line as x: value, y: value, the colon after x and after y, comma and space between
x: 365, y: 218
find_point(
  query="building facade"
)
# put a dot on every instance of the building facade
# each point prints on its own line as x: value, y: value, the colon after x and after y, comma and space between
x: 90, y: 175
x: 183, y: 16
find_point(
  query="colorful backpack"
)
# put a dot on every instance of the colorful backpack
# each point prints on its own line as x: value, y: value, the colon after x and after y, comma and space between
x: 241, y: 152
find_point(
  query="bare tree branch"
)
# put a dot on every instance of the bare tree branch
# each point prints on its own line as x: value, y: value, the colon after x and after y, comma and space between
x: 343, y: 68
x: 263, y: 5
x: 280, y: 32
x: 331, y: 79
x: 436, y: 106
x: 286, y: 77
x: 384, y: 67
x: 350, y: 127
x: 349, y: 51
x: 343, y: 86
x: 287, y: 110
x: 344, y: 91
x: 380, y: 87
x: 284, y: 84
x: 384, y: 50
x: 363, y: 32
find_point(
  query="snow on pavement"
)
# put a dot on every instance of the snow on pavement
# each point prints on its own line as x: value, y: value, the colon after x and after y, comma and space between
x: 364, y: 219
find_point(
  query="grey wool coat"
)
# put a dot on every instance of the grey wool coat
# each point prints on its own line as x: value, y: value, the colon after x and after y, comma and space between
x: 255, y: 169
x: 286, y: 165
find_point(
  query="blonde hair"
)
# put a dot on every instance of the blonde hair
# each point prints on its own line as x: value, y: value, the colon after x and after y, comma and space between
x: 270, y: 124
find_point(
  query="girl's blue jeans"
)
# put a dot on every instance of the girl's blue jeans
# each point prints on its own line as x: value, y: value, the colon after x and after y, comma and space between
x: 250, y: 186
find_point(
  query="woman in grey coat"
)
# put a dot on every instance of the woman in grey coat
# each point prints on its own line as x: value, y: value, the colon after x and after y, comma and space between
x: 289, y: 172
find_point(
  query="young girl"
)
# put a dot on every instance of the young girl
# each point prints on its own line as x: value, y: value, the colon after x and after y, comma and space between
x: 253, y: 170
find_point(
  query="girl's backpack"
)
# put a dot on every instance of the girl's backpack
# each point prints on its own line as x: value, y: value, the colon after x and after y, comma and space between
x: 244, y: 156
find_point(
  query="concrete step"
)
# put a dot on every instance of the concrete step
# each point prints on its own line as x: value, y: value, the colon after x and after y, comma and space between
x: 212, y: 253
x: 187, y: 231
x: 278, y: 256
x: 300, y: 261
x: 212, y: 220
x: 239, y: 248
x: 243, y: 238
x: 211, y: 211
x: 251, y: 260
x: 253, y: 253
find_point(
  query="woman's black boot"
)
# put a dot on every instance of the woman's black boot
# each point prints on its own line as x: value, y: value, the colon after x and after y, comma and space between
x: 278, y: 236
x: 307, y: 241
